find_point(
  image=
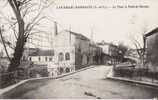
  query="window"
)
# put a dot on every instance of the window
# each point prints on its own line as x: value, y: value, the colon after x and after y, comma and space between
x: 23, y: 58
x: 50, y: 58
x: 30, y: 59
x: 61, y: 70
x: 67, y: 70
x: 39, y: 58
x: 61, y: 56
x: 67, y: 56
x: 46, y: 58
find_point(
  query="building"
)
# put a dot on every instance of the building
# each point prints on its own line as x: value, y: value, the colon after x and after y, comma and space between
x: 110, y: 53
x: 73, y: 51
x: 41, y: 60
x: 70, y: 51
x: 41, y: 57
x: 152, y: 49
x: 105, y: 55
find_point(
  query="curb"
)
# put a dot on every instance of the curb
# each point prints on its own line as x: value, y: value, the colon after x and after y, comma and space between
x: 134, y: 81
x: 7, y: 89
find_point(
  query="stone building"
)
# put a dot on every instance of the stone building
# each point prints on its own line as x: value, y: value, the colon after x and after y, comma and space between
x: 72, y: 51
x: 152, y: 49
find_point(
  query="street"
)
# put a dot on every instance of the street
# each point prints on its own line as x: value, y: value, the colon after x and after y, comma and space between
x: 90, y: 83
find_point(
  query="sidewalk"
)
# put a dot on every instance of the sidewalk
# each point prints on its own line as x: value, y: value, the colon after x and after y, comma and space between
x: 143, y: 81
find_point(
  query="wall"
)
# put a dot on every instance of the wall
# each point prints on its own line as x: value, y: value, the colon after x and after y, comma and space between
x: 42, y: 60
x: 82, y: 53
x: 152, y: 52
x: 63, y: 43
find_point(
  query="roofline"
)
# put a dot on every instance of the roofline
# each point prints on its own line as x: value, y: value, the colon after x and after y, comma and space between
x: 152, y: 32
x: 75, y: 33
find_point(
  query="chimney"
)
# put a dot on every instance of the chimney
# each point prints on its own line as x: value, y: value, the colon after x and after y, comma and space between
x: 55, y: 28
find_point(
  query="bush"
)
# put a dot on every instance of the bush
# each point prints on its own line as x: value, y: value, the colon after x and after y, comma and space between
x: 134, y: 72
x: 153, y: 75
x: 123, y: 71
x: 42, y: 71
x: 6, y: 79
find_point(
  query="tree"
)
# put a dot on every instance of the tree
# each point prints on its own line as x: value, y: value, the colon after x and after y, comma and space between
x: 25, y: 21
x: 122, y: 49
x: 140, y: 45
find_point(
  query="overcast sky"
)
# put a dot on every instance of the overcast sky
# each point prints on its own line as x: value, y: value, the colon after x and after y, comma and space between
x: 108, y: 24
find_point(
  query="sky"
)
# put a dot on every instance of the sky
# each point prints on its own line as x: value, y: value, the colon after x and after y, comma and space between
x: 109, y: 20
x: 108, y: 24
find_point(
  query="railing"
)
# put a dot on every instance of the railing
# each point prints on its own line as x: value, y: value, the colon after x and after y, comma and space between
x: 135, y: 73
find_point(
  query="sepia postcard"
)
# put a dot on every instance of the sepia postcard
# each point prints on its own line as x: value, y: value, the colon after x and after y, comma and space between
x: 79, y: 49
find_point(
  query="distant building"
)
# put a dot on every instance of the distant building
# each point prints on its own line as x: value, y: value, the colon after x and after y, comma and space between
x: 115, y: 54
x: 110, y: 53
x: 41, y: 57
x: 105, y: 55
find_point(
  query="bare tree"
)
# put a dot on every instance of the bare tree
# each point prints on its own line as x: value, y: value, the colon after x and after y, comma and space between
x: 25, y: 21
x: 140, y: 45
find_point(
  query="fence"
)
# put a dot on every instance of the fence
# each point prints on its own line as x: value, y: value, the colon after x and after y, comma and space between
x: 135, y: 73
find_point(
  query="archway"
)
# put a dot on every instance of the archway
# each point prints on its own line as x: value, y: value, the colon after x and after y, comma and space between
x: 67, y: 70
x: 67, y: 56
x: 61, y: 70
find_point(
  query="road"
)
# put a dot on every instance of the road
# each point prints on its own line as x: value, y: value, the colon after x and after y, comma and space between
x: 90, y: 83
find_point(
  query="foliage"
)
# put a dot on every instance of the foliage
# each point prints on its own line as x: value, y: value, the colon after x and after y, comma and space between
x: 122, y: 50
x: 38, y: 70
x: 24, y: 20
x: 117, y: 52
